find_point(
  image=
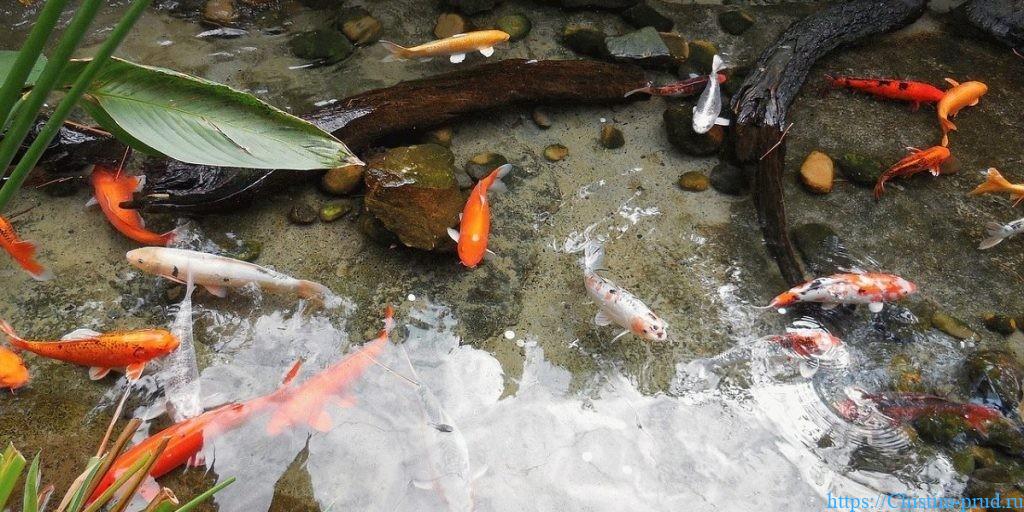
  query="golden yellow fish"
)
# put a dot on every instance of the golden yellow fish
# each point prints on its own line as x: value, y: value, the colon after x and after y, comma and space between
x: 455, y: 47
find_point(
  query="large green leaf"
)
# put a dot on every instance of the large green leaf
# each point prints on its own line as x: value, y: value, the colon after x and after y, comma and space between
x: 202, y: 122
x: 7, y: 58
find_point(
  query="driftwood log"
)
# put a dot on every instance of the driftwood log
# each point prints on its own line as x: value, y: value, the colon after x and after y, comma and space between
x: 761, y: 104
x: 366, y: 118
x: 1001, y: 19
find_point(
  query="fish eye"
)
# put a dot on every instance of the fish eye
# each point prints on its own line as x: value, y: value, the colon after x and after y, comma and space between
x: 140, y: 260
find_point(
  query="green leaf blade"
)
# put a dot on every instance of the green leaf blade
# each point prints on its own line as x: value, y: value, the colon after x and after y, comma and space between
x: 7, y: 58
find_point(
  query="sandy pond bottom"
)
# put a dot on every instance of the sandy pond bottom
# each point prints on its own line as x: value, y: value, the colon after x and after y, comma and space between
x: 555, y: 418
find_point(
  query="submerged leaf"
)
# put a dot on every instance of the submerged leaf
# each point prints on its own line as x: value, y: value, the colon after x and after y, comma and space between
x: 202, y: 122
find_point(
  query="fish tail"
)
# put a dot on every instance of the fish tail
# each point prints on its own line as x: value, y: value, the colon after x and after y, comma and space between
x: 24, y: 253
x: 313, y: 291
x: 497, y: 185
x: 879, y: 188
x: 947, y: 126
x: 994, y: 182
x: 593, y: 255
x: 645, y: 89
x: 716, y: 64
x: 396, y: 51
x: 16, y: 340
x: 996, y: 234
x: 389, y: 319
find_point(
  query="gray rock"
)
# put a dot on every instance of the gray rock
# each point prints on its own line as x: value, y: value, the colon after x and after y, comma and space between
x: 585, y: 39
x: 326, y: 46
x: 729, y: 179
x: 302, y: 214
x: 611, y: 137
x: 643, y: 15
x: 820, y: 248
x: 735, y: 21
x: 679, y: 125
x: 643, y: 47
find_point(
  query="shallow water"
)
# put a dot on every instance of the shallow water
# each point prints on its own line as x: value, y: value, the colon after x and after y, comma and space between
x: 553, y: 416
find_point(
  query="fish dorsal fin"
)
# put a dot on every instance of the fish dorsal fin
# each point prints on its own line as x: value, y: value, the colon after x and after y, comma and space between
x: 424, y: 485
x: 80, y: 334
x: 952, y: 82
x: 98, y: 373
x: 91, y: 202
x: 602, y: 319
x: 134, y: 371
x: 456, y: 36
x: 218, y: 291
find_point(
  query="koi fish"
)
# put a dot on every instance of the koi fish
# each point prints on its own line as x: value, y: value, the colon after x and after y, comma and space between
x: 307, y: 404
x: 957, y: 97
x: 679, y: 89
x: 188, y: 437
x: 455, y: 47
x: 871, y: 288
x: 109, y: 191
x: 932, y: 160
x: 180, y: 373
x: 807, y: 343
x: 617, y: 305
x: 475, y: 220
x: 907, y: 407
x: 902, y: 90
x: 13, y: 373
x: 218, y: 273
x: 995, y: 183
x: 22, y: 252
x: 709, y: 106
x: 130, y: 350
x: 999, y: 232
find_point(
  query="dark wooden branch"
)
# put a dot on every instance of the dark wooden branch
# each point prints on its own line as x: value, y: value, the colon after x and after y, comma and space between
x: 765, y: 96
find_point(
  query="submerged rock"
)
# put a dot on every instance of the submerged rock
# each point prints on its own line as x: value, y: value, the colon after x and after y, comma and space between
x: 441, y: 136
x: 860, y: 169
x: 556, y: 152
x: 611, y: 137
x: 643, y: 15
x: 729, y: 179
x: 700, y: 56
x: 694, y: 181
x: 246, y: 250
x: 471, y: 6
x: 1001, y: 324
x: 820, y: 248
x: 302, y: 214
x: 817, y: 173
x: 541, y: 118
x: 413, y: 193
x: 996, y: 374
x: 326, y: 46
x: 735, y: 21
x: 677, y: 45
x: 359, y: 26
x: 342, y: 181
x: 516, y: 26
x: 643, y: 46
x: 449, y: 24
x: 481, y: 164
x: 951, y: 325
x: 679, y: 125
x: 585, y: 39
x: 220, y: 12
x: 333, y: 211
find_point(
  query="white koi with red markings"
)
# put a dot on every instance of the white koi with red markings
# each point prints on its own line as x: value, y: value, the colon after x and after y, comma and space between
x: 871, y: 288
x: 617, y: 305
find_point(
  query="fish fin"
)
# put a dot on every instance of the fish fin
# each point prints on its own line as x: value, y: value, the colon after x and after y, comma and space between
x: 915, y: 106
x: 645, y: 89
x: 952, y: 82
x: 498, y: 187
x: 395, y: 51
x: 995, y: 235
x: 7, y: 329
x: 457, y: 57
x: 593, y: 255
x: 134, y: 371
x: 480, y: 472
x: 293, y: 371
x: 912, y: 149
x: 935, y: 171
x: 314, y: 291
x: 716, y: 65
x: 322, y: 422
x: 487, y: 52
x: 460, y: 216
x: 98, y: 373
x: 692, y: 75
x: 490, y: 253
x: 454, y: 235
x: 621, y: 334
x: 91, y: 202
x: 196, y: 460
x: 975, y: 102
x: 80, y: 334
x: 24, y: 253
x: 994, y: 182
x: 876, y: 307
x: 218, y: 291
x: 602, y: 319
x: 721, y: 121
x: 149, y: 489
x: 140, y: 183
x: 425, y: 59
x: 423, y: 485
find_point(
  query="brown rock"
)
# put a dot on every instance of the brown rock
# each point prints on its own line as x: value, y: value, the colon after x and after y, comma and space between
x: 342, y: 181
x: 818, y: 173
x: 694, y: 181
x: 220, y: 12
x: 555, y: 152
x: 449, y: 24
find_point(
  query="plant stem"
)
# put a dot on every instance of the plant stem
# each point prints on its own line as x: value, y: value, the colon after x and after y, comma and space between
x: 49, y: 131
x: 206, y: 495
x: 28, y: 55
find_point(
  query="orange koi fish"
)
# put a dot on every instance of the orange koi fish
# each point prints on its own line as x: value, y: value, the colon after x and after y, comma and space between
x: 871, y: 288
x: 13, y: 373
x: 455, y: 47
x: 475, y: 221
x: 188, y: 437
x: 995, y: 183
x: 933, y: 159
x: 22, y: 252
x: 307, y: 403
x: 110, y: 190
x: 130, y: 350
x: 907, y: 407
x: 959, y: 96
x: 903, y: 90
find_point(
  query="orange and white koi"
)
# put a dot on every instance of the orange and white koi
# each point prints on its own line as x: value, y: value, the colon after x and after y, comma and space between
x: 807, y: 343
x: 475, y: 220
x: 307, y: 404
x: 455, y: 47
x: 110, y: 189
x: 23, y: 253
x: 188, y: 437
x: 13, y: 373
x: 617, y: 305
x: 871, y: 288
x: 130, y: 350
x: 995, y: 183
x: 933, y: 160
x: 967, y: 94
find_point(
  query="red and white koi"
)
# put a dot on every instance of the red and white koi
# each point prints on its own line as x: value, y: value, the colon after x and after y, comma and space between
x: 907, y: 407
x: 871, y: 288
x: 807, y: 343
x: 617, y: 305
x: 475, y: 220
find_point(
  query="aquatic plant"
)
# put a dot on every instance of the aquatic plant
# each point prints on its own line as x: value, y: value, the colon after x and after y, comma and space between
x: 124, y: 489
x: 150, y: 109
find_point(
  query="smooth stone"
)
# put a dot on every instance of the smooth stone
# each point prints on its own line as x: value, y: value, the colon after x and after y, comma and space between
x: 442, y: 136
x: 729, y: 179
x: 700, y: 56
x: 860, y: 169
x: 585, y: 39
x: 694, y: 181
x: 482, y: 164
x: 220, y: 12
x: 643, y: 15
x: 678, y: 46
x: 951, y: 325
x: 735, y: 21
x: 449, y: 24
x: 342, y: 181
x: 470, y: 7
x: 818, y: 173
x: 556, y: 152
x: 516, y: 26
x: 996, y: 372
x: 247, y: 250
x: 541, y: 118
x: 302, y: 214
x: 679, y: 125
x: 463, y: 178
x: 643, y: 46
x: 333, y: 211
x: 611, y: 137
x: 1002, y: 324
x: 359, y: 26
x: 326, y: 46
x: 820, y: 248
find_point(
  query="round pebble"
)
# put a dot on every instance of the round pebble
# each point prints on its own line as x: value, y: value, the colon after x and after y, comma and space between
x: 411, y: 297
x: 509, y: 335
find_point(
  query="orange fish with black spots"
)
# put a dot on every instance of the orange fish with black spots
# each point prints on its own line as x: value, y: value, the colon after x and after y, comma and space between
x: 902, y: 90
x: 871, y: 288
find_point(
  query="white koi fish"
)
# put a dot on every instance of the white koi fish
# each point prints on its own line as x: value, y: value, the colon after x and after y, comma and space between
x: 998, y: 232
x: 218, y: 273
x: 455, y: 47
x: 180, y: 374
x: 617, y: 305
x: 709, y: 106
x: 871, y: 288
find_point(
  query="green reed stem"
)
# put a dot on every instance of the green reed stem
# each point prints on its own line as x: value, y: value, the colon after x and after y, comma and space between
x: 82, y: 83
x: 28, y: 55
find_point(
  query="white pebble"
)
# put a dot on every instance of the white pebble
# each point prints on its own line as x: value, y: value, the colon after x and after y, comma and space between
x: 587, y: 456
x: 510, y: 335
x: 411, y: 297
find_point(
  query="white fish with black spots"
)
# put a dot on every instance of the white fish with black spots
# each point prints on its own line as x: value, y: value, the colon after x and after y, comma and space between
x: 998, y: 232
x: 706, y: 113
x: 618, y: 306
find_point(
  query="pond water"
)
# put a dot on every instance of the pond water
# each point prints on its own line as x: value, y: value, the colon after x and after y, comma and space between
x: 545, y: 409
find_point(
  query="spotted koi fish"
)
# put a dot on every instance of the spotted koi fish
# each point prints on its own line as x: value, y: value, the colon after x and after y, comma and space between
x: 871, y: 288
x: 617, y: 305
x: 902, y: 90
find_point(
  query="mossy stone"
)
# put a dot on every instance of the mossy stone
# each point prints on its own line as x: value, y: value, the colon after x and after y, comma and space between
x: 556, y: 152
x: 585, y: 39
x: 325, y: 46
x: 860, y: 169
x: 359, y: 26
x: 611, y: 137
x: 302, y: 214
x: 735, y: 21
x: 517, y: 26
